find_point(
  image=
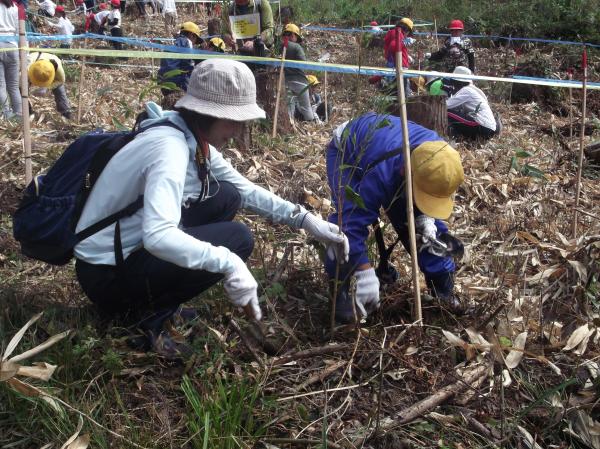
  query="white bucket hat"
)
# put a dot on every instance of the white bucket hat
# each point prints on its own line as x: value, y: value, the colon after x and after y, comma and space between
x: 222, y: 88
x: 462, y: 70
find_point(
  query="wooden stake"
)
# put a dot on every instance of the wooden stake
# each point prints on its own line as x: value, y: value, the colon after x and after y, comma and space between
x: 570, y: 107
x: 437, y: 43
x: 581, y: 143
x: 25, y: 96
x: 418, y: 315
x: 279, y: 87
x: 325, y: 87
x: 81, y: 80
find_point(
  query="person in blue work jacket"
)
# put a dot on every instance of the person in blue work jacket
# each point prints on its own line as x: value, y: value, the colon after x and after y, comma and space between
x: 188, y: 37
x: 365, y: 172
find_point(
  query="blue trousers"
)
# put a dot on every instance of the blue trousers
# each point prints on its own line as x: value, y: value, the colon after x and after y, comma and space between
x: 148, y: 286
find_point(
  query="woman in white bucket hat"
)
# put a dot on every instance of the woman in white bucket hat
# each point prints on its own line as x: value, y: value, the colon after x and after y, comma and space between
x: 183, y: 240
x: 469, y: 112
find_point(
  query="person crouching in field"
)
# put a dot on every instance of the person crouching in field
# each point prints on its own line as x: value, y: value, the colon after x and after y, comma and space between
x: 365, y: 156
x: 469, y: 112
x: 113, y: 20
x: 45, y: 70
x: 184, y: 238
x: 188, y: 37
x: 63, y: 27
x: 296, y: 82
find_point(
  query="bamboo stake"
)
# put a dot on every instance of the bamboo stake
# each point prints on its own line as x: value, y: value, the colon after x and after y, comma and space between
x: 23, y: 46
x: 81, y: 79
x: 325, y: 87
x: 437, y: 42
x: 279, y: 87
x: 570, y: 107
x: 581, y: 143
x: 418, y: 315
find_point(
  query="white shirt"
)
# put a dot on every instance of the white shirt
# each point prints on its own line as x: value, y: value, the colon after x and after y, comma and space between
x: 48, y: 5
x: 474, y: 102
x: 115, y: 14
x: 168, y: 6
x: 159, y: 163
x: 66, y: 28
x: 9, y: 22
x: 99, y: 16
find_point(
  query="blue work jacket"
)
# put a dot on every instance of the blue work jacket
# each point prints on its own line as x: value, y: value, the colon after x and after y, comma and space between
x: 359, y: 161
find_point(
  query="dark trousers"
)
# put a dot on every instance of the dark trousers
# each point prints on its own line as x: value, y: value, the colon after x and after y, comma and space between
x: 463, y: 126
x: 117, y: 32
x: 146, y: 286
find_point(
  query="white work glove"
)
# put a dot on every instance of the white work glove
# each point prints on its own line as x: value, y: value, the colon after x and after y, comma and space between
x: 425, y: 226
x: 427, y: 55
x: 367, y: 291
x: 337, y: 244
x: 241, y: 287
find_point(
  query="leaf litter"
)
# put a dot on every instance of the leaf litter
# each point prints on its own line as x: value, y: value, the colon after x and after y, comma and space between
x: 531, y: 287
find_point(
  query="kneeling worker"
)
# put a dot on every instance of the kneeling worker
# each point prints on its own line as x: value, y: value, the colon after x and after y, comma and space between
x: 46, y: 70
x: 469, y: 112
x: 366, y: 157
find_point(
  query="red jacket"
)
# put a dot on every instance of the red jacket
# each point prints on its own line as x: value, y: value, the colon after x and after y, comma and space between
x: 390, y: 46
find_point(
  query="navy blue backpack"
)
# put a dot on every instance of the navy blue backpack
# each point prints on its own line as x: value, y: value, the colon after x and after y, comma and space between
x: 47, y: 216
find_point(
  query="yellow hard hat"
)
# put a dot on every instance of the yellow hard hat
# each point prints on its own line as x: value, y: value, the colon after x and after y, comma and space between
x: 409, y: 23
x: 218, y: 42
x: 312, y: 80
x: 437, y: 173
x: 291, y: 28
x: 191, y: 27
x: 41, y: 73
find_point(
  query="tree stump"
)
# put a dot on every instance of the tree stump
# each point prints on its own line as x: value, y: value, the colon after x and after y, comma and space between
x: 266, y: 96
x: 592, y: 151
x: 429, y: 111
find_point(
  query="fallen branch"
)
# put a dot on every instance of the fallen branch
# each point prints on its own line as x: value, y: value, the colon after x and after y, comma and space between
x: 423, y: 406
x: 321, y: 375
x: 310, y: 353
x: 246, y: 341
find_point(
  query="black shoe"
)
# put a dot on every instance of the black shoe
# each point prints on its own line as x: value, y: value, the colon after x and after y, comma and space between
x: 67, y: 115
x: 442, y: 288
x: 185, y: 316
x: 344, y: 310
x: 166, y: 347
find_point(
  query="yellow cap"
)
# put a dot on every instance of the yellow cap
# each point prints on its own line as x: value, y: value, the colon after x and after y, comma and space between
x: 41, y: 73
x: 291, y: 28
x: 191, y: 27
x: 437, y: 172
x: 312, y: 80
x: 218, y: 42
x: 409, y: 23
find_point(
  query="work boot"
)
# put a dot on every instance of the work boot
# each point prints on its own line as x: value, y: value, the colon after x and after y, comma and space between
x: 185, y: 316
x: 387, y: 274
x: 160, y: 340
x: 442, y: 288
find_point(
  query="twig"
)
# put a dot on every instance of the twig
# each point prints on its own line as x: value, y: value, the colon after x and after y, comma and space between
x: 581, y: 144
x: 25, y: 99
x: 418, y: 314
x: 310, y: 353
x: 327, y: 390
x: 246, y: 341
x: 279, y: 87
x: 321, y: 375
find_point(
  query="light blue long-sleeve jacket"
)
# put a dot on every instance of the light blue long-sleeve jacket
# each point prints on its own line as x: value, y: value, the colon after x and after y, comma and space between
x: 159, y: 163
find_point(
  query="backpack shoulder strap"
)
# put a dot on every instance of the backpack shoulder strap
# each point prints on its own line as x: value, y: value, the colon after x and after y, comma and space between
x: 385, y: 157
x: 99, y: 162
